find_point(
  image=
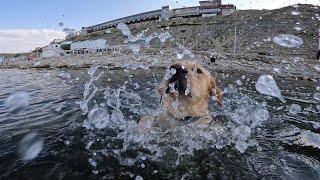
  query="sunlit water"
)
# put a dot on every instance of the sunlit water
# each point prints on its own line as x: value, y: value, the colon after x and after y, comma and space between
x: 253, y: 135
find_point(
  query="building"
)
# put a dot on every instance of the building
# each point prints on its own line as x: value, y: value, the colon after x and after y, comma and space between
x: 52, y: 50
x: 205, y: 8
x: 99, y: 44
x: 165, y: 13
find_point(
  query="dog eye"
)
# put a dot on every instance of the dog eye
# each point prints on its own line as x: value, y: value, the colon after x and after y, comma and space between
x: 199, y: 71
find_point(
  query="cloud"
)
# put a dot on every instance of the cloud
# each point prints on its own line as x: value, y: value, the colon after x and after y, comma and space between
x: 23, y: 40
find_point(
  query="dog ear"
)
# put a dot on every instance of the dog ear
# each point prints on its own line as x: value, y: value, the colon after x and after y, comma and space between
x: 214, y: 90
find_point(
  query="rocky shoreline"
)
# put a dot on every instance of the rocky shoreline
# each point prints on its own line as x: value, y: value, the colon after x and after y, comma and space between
x: 304, y: 69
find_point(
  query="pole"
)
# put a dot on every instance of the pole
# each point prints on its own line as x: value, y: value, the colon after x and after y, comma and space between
x: 318, y: 53
x: 235, y: 41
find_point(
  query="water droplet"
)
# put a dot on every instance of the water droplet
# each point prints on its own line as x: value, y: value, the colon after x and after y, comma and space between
x: 287, y: 40
x: 17, y: 102
x: 317, y: 67
x: 37, y: 63
x: 298, y: 28
x: 95, y: 172
x: 294, y: 109
x: 295, y: 13
x: 239, y: 82
x: 277, y: 70
x: 64, y: 75
x: 316, y: 96
x: 30, y: 146
x: 138, y: 177
x: 67, y: 143
x: 268, y: 86
x: 92, y: 162
x: 99, y: 118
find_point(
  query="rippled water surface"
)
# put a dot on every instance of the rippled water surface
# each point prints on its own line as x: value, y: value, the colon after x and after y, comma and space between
x: 253, y: 135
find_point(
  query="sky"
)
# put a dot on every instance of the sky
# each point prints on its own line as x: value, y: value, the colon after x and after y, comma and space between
x: 26, y: 24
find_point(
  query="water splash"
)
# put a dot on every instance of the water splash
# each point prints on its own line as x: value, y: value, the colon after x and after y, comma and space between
x: 124, y: 29
x: 234, y: 126
x: 185, y: 54
x: 135, y: 48
x: 164, y: 36
x: 87, y: 96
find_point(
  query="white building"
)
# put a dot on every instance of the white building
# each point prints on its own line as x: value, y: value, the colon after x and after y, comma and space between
x: 52, y: 50
x: 98, y: 44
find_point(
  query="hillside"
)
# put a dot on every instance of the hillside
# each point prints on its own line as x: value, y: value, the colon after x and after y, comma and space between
x: 255, y: 30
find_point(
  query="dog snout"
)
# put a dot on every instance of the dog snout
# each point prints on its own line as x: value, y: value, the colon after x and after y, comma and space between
x: 178, y: 70
x: 178, y: 80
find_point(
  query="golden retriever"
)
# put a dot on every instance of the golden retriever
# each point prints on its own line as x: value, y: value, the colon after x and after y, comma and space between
x: 185, y: 92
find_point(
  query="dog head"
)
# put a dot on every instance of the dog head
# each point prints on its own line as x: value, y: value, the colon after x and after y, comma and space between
x: 191, y: 85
